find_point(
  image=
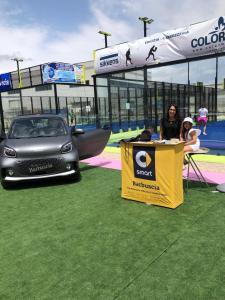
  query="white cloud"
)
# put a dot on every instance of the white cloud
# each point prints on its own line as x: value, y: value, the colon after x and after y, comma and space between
x: 38, y: 45
x: 23, y: 42
x: 120, y: 29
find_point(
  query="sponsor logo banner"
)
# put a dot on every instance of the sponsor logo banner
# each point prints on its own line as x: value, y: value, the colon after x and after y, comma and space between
x: 58, y: 72
x: 195, y: 40
x: 144, y: 162
x: 5, y: 82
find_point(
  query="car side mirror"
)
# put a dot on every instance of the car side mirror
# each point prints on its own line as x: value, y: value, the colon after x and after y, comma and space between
x: 76, y: 131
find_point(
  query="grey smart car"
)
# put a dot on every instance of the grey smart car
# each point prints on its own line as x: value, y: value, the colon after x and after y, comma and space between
x: 43, y: 146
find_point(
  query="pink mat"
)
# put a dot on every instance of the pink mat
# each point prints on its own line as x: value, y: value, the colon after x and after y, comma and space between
x: 104, y: 162
x: 112, y: 163
x: 210, y: 177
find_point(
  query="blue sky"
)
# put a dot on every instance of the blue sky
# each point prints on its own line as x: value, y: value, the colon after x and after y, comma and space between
x: 47, y: 30
x: 59, y: 15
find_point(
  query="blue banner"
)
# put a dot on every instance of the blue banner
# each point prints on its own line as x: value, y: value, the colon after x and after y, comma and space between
x: 58, y: 72
x: 5, y: 82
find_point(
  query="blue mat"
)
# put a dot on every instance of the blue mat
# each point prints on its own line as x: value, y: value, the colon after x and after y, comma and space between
x: 215, y: 138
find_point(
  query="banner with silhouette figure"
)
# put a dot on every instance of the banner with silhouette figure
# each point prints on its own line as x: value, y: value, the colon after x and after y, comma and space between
x: 152, y: 173
x: 191, y: 41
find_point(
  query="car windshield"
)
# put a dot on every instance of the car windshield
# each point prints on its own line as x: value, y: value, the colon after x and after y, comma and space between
x: 37, y: 127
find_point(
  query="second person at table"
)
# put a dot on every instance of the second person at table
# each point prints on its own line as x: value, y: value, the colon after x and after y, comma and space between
x: 170, y: 126
x: 190, y: 136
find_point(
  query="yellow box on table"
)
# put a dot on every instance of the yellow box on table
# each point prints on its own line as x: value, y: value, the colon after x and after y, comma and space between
x: 152, y: 172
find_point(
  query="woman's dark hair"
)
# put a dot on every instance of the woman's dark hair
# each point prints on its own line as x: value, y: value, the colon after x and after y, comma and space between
x: 177, y: 116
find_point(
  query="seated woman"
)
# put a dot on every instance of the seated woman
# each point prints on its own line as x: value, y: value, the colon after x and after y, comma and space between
x: 171, y: 124
x: 190, y: 136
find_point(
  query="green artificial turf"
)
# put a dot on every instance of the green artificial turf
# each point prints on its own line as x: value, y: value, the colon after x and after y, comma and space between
x: 82, y: 241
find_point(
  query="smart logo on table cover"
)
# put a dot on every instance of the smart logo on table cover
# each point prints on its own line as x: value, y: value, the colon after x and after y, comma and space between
x: 144, y: 162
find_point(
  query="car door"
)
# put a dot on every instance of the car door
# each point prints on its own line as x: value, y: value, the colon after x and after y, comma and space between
x: 91, y: 143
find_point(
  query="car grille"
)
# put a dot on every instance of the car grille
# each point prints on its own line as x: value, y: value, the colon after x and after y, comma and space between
x: 40, y: 167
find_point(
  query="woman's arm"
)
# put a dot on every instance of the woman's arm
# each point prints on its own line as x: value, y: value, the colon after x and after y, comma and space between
x: 181, y: 132
x: 193, y: 139
x: 181, y: 138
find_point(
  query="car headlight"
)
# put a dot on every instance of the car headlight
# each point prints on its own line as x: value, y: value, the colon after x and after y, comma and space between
x: 67, y: 147
x: 9, y: 152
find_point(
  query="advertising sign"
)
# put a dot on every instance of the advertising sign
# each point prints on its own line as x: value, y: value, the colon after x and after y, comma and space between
x: 79, y: 71
x: 145, y: 177
x: 58, y: 72
x: 194, y: 40
x: 5, y: 82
